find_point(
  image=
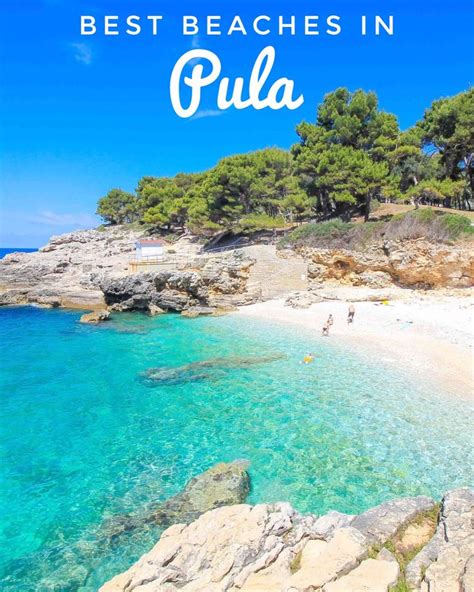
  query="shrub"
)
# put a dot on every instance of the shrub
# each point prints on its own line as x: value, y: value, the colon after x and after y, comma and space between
x: 423, y: 223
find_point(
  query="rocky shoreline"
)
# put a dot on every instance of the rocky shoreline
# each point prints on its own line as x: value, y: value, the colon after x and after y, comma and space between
x: 90, y: 270
x: 412, y: 543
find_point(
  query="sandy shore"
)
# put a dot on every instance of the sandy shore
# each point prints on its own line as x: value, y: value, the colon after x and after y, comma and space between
x: 430, y: 335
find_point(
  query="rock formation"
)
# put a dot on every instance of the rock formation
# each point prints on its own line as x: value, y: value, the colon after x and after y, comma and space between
x: 273, y: 548
x: 90, y: 269
x: 209, y: 284
x: 411, y: 264
x: 223, y: 484
x: 205, y: 369
x: 98, y: 316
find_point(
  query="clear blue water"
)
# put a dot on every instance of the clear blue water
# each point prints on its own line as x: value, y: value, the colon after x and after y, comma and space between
x: 84, y: 438
x: 7, y: 251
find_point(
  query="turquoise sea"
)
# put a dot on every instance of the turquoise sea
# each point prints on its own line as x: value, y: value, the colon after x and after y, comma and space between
x: 85, y: 438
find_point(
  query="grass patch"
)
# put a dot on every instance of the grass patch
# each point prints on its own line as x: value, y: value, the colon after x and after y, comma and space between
x: 428, y: 224
x: 316, y: 234
x: 435, y: 226
x: 401, y: 587
x: 429, y: 517
x: 296, y: 562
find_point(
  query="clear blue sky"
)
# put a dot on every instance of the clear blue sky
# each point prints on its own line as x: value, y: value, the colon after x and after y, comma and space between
x: 80, y: 115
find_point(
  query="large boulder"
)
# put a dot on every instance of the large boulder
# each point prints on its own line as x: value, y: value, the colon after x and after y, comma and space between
x: 382, y: 522
x: 95, y: 317
x: 223, y: 484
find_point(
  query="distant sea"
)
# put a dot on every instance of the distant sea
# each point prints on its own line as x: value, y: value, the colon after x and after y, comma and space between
x: 5, y: 251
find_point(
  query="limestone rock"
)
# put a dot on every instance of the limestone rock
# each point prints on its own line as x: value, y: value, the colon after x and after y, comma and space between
x: 231, y: 548
x: 196, y: 311
x: 155, y: 310
x: 382, y: 522
x: 60, y: 273
x: 374, y: 279
x: 444, y: 575
x: 444, y: 561
x: 302, y: 299
x: 415, y: 264
x: 325, y: 525
x: 370, y: 576
x: 385, y: 555
x: 91, y: 268
x: 95, y: 317
x: 468, y: 576
x: 323, y: 562
x: 273, y: 548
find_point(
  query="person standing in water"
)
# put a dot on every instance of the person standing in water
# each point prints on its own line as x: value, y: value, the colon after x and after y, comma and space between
x: 350, y: 316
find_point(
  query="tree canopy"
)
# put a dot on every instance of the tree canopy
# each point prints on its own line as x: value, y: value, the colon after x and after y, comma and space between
x: 352, y: 153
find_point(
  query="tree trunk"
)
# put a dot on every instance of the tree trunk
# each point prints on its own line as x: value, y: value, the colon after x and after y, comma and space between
x: 368, y: 202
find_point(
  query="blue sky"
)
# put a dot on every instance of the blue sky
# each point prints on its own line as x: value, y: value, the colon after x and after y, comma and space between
x: 80, y: 115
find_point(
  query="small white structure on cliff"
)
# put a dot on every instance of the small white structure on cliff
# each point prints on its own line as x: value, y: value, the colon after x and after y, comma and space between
x: 149, y: 249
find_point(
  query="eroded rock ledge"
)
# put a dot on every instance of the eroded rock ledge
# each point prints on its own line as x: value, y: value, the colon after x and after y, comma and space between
x: 410, y: 264
x: 273, y: 548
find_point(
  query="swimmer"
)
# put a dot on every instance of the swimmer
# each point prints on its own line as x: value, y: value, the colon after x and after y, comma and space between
x: 326, y: 330
x: 308, y: 358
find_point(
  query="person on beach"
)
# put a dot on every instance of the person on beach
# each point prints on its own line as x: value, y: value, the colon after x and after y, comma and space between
x: 330, y: 320
x: 326, y: 329
x: 350, y: 316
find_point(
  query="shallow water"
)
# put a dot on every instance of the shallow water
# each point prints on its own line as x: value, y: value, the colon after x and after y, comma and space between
x: 84, y: 437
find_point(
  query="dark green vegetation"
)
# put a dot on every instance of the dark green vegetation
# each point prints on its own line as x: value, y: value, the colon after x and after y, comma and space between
x: 434, y: 225
x: 353, y: 153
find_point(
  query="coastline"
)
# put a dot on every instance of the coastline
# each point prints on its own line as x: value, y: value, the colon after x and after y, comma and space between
x: 428, y: 334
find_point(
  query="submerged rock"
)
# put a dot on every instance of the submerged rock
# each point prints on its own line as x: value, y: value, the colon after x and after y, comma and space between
x: 202, y: 370
x: 223, y: 484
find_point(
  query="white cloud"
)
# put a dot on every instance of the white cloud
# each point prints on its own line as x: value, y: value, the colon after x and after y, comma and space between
x: 54, y: 219
x: 82, y: 53
x: 195, y: 44
x: 208, y: 113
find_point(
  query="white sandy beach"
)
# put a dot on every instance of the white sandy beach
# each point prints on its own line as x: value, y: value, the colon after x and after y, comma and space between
x: 430, y: 335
